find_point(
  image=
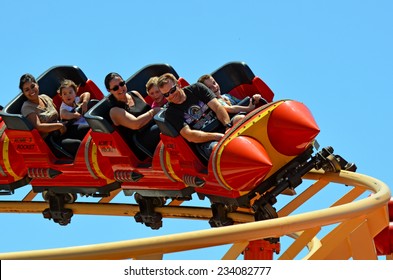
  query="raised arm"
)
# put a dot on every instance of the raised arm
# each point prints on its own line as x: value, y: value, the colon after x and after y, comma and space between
x: 84, y: 100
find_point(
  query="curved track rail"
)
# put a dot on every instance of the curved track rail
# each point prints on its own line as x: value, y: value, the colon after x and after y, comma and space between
x: 356, y: 222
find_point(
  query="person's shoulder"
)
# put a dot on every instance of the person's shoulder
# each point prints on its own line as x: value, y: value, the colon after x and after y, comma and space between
x: 194, y: 86
x: 172, y: 108
x: 43, y: 95
x: 46, y: 98
x: 27, y: 108
x: 203, y: 90
x: 170, y: 111
x: 135, y: 93
x: 64, y: 106
x: 26, y: 104
x: 200, y: 85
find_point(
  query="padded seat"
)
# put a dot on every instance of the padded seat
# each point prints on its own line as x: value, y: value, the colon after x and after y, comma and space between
x: 58, y: 150
x: 233, y: 74
x: 237, y: 79
x: 139, y: 79
x: 50, y: 80
x: 98, y: 117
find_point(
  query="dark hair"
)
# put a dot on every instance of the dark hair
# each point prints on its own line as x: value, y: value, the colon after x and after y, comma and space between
x: 109, y: 78
x: 26, y: 78
x: 67, y: 83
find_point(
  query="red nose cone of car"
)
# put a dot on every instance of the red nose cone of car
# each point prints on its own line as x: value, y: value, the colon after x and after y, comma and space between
x: 243, y: 162
x: 291, y: 128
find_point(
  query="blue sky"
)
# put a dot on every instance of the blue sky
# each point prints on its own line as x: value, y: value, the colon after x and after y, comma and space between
x: 334, y: 56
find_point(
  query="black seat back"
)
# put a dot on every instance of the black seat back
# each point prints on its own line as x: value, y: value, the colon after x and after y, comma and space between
x: 98, y: 117
x: 12, y: 116
x: 165, y: 127
x: 139, y: 79
x: 233, y: 74
x: 48, y: 82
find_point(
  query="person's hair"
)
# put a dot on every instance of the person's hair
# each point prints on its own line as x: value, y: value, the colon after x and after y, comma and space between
x: 203, y: 78
x: 26, y: 78
x: 66, y: 84
x: 165, y: 78
x: 109, y: 78
x: 150, y: 83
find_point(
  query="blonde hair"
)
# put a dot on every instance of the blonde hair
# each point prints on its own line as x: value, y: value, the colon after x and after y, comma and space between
x: 150, y: 83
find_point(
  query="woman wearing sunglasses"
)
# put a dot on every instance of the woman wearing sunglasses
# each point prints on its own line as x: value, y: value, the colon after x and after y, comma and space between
x: 132, y: 116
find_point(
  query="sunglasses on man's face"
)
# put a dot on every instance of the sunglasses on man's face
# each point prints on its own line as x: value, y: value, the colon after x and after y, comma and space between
x: 121, y: 84
x: 171, y: 91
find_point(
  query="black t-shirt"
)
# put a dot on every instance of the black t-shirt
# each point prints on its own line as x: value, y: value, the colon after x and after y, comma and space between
x: 194, y: 111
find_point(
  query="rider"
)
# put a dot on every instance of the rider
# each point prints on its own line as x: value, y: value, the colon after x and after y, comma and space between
x: 188, y: 111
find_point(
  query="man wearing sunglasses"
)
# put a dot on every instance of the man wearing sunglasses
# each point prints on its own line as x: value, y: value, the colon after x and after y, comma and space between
x: 190, y: 109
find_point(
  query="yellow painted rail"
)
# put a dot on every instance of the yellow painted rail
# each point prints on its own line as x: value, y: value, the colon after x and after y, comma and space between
x: 350, y: 223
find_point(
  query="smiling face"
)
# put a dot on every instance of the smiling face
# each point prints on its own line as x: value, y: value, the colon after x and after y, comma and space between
x: 155, y: 93
x: 172, y: 92
x: 213, y: 85
x: 118, y: 88
x: 31, y: 91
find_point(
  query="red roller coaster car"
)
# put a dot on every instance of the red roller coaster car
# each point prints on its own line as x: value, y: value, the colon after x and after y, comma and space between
x: 261, y: 157
x: 51, y: 170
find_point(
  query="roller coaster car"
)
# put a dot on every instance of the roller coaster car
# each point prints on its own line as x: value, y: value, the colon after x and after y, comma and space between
x: 130, y: 163
x: 259, y: 158
x: 51, y: 169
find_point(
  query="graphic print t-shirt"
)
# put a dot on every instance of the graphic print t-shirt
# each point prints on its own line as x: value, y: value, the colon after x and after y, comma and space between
x: 193, y: 112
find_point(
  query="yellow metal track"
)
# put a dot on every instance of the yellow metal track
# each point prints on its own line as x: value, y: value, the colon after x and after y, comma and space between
x: 357, y: 221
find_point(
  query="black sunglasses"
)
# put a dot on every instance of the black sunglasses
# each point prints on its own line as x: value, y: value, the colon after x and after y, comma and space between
x: 171, y: 91
x: 121, y: 84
